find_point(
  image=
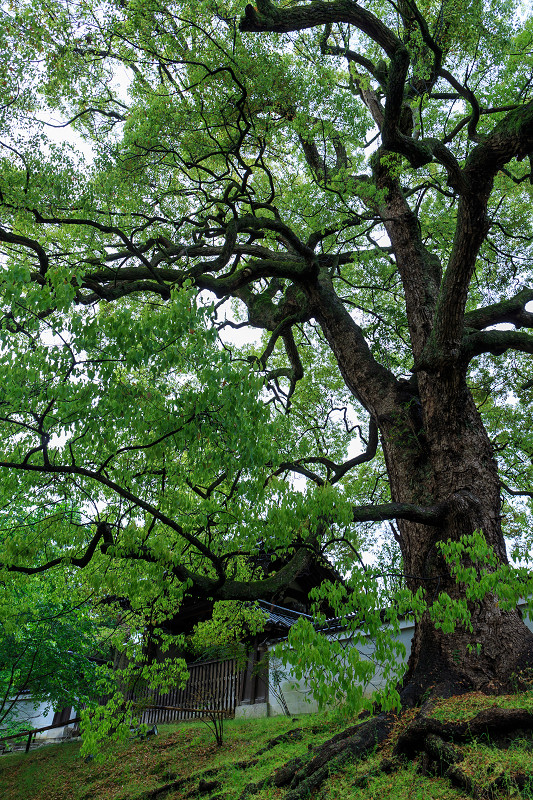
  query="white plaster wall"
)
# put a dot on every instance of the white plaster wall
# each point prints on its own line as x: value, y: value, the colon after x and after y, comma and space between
x: 528, y: 621
x: 33, y: 717
x: 38, y: 716
x: 298, y: 696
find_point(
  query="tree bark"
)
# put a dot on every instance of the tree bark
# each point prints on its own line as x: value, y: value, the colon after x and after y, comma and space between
x: 461, y: 470
x: 437, y: 453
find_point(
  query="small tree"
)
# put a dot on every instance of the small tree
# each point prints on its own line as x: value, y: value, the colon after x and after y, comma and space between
x: 49, y: 654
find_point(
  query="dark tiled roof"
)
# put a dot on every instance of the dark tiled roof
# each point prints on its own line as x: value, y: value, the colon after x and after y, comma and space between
x: 277, y: 615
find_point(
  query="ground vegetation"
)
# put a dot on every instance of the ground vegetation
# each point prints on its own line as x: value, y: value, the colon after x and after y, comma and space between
x: 271, y: 758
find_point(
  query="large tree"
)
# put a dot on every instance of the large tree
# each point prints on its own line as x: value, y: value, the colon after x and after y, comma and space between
x: 355, y: 183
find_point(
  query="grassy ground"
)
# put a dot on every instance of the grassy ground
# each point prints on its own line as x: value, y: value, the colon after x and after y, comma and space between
x: 184, y: 755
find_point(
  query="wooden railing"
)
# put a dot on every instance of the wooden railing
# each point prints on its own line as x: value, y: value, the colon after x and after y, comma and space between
x: 30, y: 734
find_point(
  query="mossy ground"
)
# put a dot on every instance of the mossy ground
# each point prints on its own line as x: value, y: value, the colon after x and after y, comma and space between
x: 464, y: 707
x: 135, y: 769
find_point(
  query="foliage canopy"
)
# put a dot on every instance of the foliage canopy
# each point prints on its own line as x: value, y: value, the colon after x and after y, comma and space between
x: 352, y: 181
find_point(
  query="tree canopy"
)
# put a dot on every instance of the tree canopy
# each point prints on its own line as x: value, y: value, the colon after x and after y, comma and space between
x: 354, y: 184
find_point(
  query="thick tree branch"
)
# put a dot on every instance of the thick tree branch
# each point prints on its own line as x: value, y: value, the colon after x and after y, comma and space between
x: 201, y: 585
x: 431, y: 515
x: 510, y: 311
x: 252, y: 590
x: 121, y: 491
x: 516, y: 492
x: 318, y: 164
x: 377, y: 72
x: 372, y: 384
x: 420, y: 269
x: 106, y: 229
x: 110, y: 283
x: 30, y: 244
x: 335, y: 472
x: 495, y: 342
x: 511, y: 138
x: 470, y: 97
x: 368, y: 95
x: 267, y: 17
x: 103, y: 531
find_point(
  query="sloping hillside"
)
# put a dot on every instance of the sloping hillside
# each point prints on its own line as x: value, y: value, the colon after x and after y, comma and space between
x: 469, y: 746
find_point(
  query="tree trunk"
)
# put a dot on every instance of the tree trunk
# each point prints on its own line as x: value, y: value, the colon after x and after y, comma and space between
x: 456, y: 466
x: 436, y: 451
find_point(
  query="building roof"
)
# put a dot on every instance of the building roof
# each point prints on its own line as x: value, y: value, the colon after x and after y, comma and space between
x: 280, y: 616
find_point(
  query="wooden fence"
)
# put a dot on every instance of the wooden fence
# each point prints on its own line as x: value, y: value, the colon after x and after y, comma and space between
x: 213, y: 687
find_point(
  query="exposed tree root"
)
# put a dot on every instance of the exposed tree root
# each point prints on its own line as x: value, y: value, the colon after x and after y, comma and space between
x: 386, y: 765
x: 433, y: 741
x: 303, y: 778
x: 162, y: 791
x: 290, y: 736
x: 491, y: 721
x: 204, y: 787
x: 441, y: 758
x: 333, y: 754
